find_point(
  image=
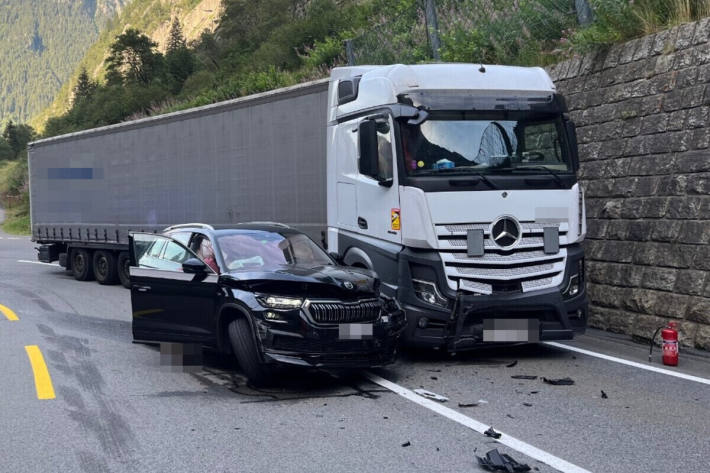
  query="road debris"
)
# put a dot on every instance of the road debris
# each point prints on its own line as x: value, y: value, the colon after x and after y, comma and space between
x: 527, y: 404
x: 523, y: 376
x: 492, y: 433
x: 604, y: 396
x: 431, y: 395
x: 434, y: 378
x: 510, y: 365
x: 407, y: 443
x: 534, y: 392
x: 559, y: 382
x: 496, y: 461
x: 473, y: 404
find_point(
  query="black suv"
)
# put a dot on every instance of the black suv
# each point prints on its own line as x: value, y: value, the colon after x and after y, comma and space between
x: 263, y: 291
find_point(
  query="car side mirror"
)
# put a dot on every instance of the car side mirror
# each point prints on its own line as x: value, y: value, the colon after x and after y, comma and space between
x: 571, y: 131
x: 369, y: 154
x: 336, y: 257
x: 194, y: 266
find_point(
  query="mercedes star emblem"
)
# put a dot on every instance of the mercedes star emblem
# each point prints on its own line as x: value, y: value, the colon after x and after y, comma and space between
x: 505, y: 232
x: 348, y: 285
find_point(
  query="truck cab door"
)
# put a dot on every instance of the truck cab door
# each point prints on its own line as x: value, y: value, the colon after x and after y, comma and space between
x: 169, y: 305
x: 376, y: 183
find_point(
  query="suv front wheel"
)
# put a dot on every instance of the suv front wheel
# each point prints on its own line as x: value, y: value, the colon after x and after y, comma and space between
x: 245, y: 350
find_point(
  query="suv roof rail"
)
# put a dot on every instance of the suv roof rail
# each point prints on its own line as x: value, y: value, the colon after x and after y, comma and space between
x: 189, y: 225
x: 267, y: 222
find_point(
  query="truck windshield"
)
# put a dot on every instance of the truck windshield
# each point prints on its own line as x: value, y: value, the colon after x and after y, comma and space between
x: 486, y: 143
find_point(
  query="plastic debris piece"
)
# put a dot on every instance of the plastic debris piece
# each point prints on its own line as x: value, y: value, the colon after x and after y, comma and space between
x: 523, y: 376
x: 534, y: 392
x: 468, y: 404
x: 510, y: 365
x: 492, y: 433
x: 435, y: 371
x: 527, y: 404
x: 407, y: 443
x: 496, y: 461
x: 508, y: 415
x: 559, y: 382
x: 433, y: 377
x: 604, y: 396
x: 431, y: 395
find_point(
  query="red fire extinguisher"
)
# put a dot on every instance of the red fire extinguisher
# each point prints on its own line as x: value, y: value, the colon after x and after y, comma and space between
x: 669, y: 335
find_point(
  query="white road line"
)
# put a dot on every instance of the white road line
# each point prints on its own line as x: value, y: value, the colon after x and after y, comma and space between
x: 635, y: 364
x: 505, y: 439
x: 37, y: 262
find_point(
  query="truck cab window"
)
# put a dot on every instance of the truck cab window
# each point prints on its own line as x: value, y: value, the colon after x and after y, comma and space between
x: 384, y: 148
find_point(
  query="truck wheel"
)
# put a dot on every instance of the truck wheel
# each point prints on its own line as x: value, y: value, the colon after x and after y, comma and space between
x: 123, y: 265
x: 81, y: 266
x: 246, y: 352
x: 105, y: 267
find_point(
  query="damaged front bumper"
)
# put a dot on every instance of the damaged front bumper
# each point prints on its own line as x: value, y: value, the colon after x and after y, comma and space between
x: 554, y: 317
x: 311, y: 345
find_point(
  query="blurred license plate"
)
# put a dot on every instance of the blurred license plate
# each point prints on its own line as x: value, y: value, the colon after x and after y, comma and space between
x: 511, y: 330
x: 354, y: 331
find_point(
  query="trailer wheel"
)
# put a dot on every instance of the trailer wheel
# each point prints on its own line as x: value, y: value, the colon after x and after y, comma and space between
x: 105, y: 267
x: 81, y: 265
x: 245, y: 350
x: 123, y: 265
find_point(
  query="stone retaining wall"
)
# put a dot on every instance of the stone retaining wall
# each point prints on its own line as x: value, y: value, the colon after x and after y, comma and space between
x: 641, y: 109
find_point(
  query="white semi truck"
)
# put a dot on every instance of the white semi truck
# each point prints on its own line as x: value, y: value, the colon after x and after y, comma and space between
x: 456, y: 183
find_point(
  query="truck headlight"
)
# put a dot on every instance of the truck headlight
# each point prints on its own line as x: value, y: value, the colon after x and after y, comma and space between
x: 429, y: 293
x: 279, y: 302
x: 576, y: 281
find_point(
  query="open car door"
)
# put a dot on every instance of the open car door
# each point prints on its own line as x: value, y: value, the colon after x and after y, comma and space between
x: 173, y: 292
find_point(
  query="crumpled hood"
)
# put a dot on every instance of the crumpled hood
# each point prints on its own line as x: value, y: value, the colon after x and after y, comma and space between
x: 321, y: 281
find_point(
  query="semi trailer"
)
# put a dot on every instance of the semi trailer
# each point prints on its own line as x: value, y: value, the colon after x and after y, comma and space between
x: 456, y: 183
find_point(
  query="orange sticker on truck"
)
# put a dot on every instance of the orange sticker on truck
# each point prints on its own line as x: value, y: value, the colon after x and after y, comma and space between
x: 395, y: 217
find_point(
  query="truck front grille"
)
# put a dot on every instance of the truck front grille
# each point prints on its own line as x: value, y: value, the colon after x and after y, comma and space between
x: 524, y: 268
x: 335, y: 312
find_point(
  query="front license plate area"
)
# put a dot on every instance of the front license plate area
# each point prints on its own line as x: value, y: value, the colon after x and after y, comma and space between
x: 511, y: 330
x: 354, y: 331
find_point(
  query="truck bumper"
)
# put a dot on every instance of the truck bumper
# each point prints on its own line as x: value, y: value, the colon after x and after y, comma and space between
x: 461, y: 325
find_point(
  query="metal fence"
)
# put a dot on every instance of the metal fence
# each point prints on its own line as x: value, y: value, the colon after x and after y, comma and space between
x: 467, y: 30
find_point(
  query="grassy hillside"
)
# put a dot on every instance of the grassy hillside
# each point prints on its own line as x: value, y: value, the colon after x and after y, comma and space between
x: 150, y: 16
x: 42, y: 41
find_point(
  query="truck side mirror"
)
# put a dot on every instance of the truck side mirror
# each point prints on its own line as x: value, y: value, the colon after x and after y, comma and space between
x: 571, y: 131
x: 369, y: 154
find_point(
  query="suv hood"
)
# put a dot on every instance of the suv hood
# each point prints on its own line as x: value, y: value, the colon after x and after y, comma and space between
x: 330, y: 281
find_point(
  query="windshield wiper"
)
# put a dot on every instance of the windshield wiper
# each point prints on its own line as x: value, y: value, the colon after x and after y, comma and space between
x: 462, y: 171
x: 554, y: 174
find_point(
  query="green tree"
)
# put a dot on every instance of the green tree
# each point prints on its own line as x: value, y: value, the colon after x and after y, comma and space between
x: 6, y: 151
x: 179, y: 59
x: 133, y: 59
x: 84, y: 87
x: 17, y: 137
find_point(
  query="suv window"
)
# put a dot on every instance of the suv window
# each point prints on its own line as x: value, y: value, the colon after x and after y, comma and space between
x: 162, y: 253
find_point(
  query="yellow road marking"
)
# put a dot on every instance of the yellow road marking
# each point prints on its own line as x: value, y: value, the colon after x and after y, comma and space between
x: 8, y: 313
x: 43, y: 383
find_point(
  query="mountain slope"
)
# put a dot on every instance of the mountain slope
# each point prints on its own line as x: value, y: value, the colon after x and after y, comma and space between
x: 42, y: 41
x: 152, y: 17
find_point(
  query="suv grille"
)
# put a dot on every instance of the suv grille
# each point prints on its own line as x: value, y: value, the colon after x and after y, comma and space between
x: 343, y: 312
x: 525, y: 267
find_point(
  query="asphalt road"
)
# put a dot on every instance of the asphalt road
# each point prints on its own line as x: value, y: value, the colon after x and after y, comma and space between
x: 117, y: 408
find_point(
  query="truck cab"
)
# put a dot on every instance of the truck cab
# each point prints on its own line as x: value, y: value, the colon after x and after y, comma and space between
x: 457, y: 184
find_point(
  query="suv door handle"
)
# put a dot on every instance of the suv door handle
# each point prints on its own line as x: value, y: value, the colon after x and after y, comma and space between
x: 362, y: 223
x: 142, y: 288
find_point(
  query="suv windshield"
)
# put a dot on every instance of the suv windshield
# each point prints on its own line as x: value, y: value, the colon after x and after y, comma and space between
x: 485, y: 142
x: 256, y: 249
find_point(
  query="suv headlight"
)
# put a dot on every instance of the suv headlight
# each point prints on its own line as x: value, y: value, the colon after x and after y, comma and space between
x: 576, y: 281
x: 429, y: 293
x: 279, y: 302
